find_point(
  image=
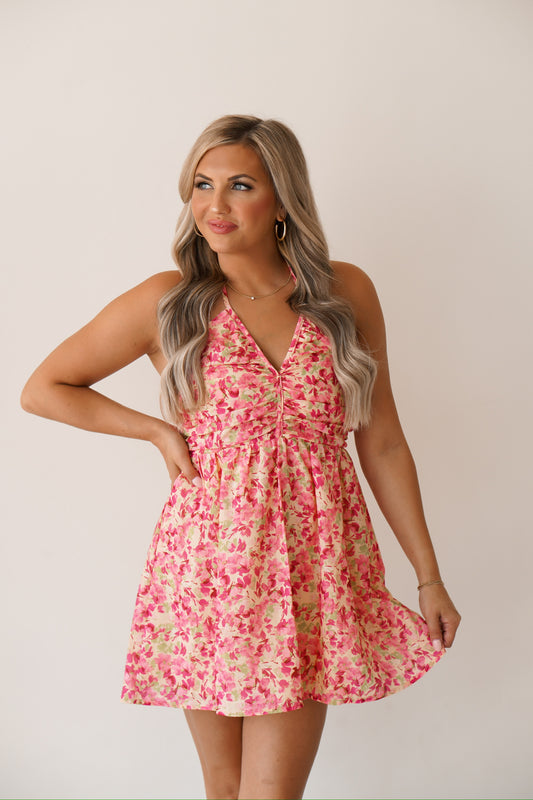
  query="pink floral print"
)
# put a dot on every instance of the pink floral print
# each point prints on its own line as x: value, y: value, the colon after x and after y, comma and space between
x: 265, y: 586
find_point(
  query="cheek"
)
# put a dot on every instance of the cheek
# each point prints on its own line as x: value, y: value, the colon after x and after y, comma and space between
x: 262, y: 211
x: 196, y: 206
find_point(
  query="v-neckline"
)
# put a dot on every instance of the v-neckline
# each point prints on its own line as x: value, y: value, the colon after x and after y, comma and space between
x: 244, y: 329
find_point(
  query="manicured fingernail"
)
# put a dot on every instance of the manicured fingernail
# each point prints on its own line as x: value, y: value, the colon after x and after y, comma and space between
x: 197, y: 481
x: 437, y: 644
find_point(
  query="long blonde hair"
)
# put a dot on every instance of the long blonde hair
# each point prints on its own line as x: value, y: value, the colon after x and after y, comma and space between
x: 185, y: 311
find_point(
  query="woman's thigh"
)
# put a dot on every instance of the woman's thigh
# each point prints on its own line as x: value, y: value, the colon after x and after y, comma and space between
x: 218, y: 740
x: 278, y: 751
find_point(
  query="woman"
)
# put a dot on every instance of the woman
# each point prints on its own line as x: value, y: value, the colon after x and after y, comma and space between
x: 263, y: 598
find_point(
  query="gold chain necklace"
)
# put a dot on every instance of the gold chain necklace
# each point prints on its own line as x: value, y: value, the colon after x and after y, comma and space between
x: 259, y: 297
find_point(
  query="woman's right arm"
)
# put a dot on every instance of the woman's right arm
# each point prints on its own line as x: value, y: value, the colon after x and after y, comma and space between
x: 125, y: 330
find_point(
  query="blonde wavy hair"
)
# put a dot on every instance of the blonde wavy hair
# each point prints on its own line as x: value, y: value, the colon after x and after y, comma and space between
x: 184, y: 312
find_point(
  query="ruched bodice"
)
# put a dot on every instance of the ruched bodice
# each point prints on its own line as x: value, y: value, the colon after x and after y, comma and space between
x: 250, y: 398
x: 265, y: 586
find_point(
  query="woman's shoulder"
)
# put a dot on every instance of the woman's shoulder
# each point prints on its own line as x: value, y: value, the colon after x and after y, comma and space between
x: 143, y: 299
x: 353, y: 284
x: 349, y: 274
x: 134, y: 313
x: 159, y: 284
x: 145, y: 296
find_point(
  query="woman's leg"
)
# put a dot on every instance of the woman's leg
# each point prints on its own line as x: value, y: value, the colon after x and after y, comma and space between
x: 278, y: 751
x: 218, y: 740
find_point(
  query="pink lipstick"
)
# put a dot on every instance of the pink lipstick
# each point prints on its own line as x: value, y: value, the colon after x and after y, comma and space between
x: 220, y: 226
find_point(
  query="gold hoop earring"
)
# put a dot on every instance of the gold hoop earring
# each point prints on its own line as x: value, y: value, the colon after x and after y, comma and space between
x: 197, y: 232
x: 276, y: 229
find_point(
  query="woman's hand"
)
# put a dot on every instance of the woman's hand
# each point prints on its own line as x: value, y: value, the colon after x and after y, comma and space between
x: 174, y: 450
x: 440, y: 614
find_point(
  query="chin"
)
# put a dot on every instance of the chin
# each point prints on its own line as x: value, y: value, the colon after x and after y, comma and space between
x: 224, y: 247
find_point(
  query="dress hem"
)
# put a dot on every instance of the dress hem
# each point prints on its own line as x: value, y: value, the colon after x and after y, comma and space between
x: 297, y: 703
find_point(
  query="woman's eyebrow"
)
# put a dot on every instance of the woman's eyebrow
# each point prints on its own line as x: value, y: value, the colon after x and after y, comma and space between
x: 233, y: 177
x: 242, y: 175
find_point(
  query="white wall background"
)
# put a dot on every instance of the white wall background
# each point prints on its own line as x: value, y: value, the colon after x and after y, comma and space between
x: 416, y: 120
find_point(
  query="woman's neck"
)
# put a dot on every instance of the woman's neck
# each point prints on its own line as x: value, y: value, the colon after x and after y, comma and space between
x: 253, y: 276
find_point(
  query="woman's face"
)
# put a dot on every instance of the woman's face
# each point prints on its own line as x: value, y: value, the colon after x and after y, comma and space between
x: 233, y: 201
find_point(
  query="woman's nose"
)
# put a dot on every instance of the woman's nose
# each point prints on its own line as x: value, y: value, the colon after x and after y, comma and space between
x: 219, y: 203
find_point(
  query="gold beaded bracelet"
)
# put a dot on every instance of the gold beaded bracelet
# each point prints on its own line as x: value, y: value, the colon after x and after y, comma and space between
x: 430, y: 583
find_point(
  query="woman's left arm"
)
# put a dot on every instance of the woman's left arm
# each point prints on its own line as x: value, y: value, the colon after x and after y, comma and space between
x: 388, y: 465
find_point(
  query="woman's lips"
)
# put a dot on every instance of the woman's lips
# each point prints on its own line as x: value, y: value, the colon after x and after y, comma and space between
x: 219, y: 226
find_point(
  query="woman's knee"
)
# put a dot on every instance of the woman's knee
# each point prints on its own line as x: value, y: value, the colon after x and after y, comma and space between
x: 221, y: 783
x: 218, y: 741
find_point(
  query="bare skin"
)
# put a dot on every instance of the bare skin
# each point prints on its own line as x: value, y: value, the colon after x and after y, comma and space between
x: 267, y: 756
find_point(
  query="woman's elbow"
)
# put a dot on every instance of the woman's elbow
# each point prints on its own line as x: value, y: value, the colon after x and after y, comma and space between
x: 34, y: 396
x: 28, y: 398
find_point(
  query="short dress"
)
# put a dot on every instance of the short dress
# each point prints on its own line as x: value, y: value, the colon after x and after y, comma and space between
x: 265, y: 586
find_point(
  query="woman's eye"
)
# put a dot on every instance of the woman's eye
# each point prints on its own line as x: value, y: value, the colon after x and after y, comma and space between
x: 238, y: 185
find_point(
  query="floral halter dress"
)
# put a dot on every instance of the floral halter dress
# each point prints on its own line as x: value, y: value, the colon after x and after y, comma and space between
x: 265, y: 586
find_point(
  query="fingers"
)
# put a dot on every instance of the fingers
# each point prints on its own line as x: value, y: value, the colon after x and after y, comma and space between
x: 191, y: 474
x: 435, y: 632
x: 188, y: 470
x: 173, y: 472
x: 441, y: 616
x: 175, y: 451
x: 442, y: 628
x: 449, y: 628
